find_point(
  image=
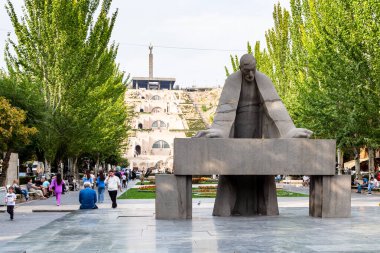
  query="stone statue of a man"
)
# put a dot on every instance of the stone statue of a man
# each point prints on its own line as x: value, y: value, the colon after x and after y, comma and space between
x: 249, y: 107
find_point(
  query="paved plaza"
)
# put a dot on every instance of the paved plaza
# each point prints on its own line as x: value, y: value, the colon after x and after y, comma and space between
x: 132, y: 227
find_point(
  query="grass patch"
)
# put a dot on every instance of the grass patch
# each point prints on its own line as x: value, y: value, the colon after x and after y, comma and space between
x: 283, y: 193
x: 207, y: 182
x: 134, y: 193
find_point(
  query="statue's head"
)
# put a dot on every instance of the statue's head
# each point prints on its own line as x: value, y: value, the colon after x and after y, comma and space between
x: 248, y: 67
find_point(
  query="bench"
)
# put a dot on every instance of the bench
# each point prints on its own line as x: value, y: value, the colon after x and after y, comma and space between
x: 291, y: 181
x: 330, y: 194
x: 355, y: 186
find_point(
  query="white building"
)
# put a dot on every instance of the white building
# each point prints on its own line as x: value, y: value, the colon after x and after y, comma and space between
x: 156, y: 121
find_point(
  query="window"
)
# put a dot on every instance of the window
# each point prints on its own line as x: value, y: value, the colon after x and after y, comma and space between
x: 141, y: 110
x: 140, y: 126
x: 156, y: 97
x: 158, y: 123
x: 156, y: 110
x: 138, y: 150
x: 160, y: 144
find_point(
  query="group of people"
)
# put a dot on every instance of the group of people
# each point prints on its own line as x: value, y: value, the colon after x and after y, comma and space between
x: 87, y: 196
x: 41, y: 187
x: 373, y: 183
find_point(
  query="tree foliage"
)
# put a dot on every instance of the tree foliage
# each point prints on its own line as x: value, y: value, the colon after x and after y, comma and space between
x: 64, y: 53
x: 13, y: 132
x: 323, y: 58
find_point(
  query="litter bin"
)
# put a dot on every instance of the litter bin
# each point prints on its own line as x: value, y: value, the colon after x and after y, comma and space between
x: 3, y: 192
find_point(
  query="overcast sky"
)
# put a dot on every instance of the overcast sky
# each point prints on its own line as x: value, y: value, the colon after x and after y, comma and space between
x: 222, y: 26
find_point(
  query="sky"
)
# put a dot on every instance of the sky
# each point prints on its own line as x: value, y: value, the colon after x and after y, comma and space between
x: 192, y: 39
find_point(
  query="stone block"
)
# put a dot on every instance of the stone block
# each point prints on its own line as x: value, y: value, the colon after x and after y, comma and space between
x: 201, y: 156
x: 12, y: 172
x: 330, y: 196
x: 173, y: 197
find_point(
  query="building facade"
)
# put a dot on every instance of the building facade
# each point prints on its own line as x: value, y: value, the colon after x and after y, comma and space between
x: 156, y: 122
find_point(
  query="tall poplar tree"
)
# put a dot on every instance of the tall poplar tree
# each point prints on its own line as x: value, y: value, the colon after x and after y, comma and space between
x: 66, y: 48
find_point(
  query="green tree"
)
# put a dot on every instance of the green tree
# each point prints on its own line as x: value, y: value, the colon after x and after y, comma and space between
x: 323, y: 59
x: 66, y: 50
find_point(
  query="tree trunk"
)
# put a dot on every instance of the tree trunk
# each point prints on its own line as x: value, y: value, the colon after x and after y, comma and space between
x: 60, y: 167
x: 5, y: 164
x: 70, y: 166
x: 340, y: 161
x: 371, y: 161
x: 357, y: 163
x: 75, y: 169
x: 47, y: 169
x: 97, y: 165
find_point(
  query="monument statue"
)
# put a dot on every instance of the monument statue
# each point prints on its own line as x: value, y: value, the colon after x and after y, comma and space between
x: 249, y: 107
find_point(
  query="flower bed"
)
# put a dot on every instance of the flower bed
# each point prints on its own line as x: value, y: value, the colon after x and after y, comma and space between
x: 204, y: 180
x: 207, y: 187
x: 149, y: 188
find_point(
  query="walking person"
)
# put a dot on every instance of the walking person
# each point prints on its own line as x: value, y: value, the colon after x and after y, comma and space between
x: 113, y: 184
x: 124, y: 178
x: 93, y: 179
x: 10, y: 200
x: 101, y: 186
x: 57, y: 185
x: 88, y: 178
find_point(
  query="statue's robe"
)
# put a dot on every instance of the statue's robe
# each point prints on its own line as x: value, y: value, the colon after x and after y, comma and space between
x: 249, y: 195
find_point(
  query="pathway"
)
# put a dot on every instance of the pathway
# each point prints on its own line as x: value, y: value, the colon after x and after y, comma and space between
x: 132, y: 227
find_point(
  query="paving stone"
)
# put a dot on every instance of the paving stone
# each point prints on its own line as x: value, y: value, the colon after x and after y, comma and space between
x: 133, y: 228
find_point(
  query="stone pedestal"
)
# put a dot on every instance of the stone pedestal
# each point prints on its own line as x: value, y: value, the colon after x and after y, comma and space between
x: 173, y: 197
x: 330, y: 196
x: 12, y: 172
x: 246, y: 196
x: 208, y: 156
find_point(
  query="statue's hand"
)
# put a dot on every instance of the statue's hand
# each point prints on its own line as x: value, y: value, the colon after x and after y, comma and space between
x: 209, y: 133
x: 299, y: 133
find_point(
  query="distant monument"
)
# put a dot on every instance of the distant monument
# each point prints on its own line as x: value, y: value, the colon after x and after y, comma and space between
x: 150, y: 61
x: 151, y: 82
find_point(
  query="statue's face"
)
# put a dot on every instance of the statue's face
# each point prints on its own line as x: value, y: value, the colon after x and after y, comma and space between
x: 248, y: 71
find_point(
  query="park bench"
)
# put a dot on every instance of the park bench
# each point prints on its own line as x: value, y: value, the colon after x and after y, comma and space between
x: 354, y: 186
x: 292, y: 181
x: 330, y: 194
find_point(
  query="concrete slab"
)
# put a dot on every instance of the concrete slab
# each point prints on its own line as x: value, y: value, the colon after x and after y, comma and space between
x: 173, y: 197
x: 330, y: 196
x: 136, y: 230
x: 201, y: 156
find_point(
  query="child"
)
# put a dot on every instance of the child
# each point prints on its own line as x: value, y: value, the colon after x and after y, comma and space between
x: 10, y: 199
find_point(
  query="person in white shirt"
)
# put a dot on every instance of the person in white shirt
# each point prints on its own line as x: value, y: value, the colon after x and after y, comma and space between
x: 124, y: 177
x: 113, y: 184
x: 373, y: 183
x: 10, y: 199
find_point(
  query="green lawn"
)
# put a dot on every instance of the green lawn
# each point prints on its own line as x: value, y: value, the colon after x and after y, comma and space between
x: 207, y: 182
x: 134, y: 193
